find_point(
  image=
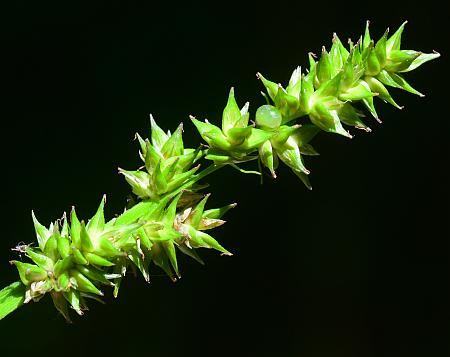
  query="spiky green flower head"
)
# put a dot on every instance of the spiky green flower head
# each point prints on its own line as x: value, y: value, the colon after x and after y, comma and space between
x: 236, y: 140
x: 385, y: 61
x: 69, y: 260
x: 167, y: 226
x: 327, y: 92
x: 341, y: 77
x: 168, y: 164
x: 73, y: 261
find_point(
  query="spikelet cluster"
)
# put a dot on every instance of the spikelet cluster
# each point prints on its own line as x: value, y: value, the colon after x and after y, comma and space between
x: 326, y: 94
x: 74, y: 260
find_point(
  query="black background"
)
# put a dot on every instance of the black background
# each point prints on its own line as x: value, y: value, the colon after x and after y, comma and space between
x: 357, y: 267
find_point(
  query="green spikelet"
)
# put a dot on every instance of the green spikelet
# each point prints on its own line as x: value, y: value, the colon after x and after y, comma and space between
x: 236, y: 140
x: 168, y: 164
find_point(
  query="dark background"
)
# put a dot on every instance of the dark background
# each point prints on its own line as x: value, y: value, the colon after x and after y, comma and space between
x: 357, y: 267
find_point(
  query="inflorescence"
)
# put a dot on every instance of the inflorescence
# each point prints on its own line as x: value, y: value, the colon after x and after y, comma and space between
x: 74, y: 260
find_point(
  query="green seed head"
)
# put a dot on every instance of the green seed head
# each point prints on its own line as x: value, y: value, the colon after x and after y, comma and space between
x: 74, y: 260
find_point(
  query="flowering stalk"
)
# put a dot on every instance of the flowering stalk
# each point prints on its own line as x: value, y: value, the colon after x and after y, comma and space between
x: 74, y: 260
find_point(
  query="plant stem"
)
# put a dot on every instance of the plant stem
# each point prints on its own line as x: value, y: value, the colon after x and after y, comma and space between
x: 11, y: 298
x: 202, y: 174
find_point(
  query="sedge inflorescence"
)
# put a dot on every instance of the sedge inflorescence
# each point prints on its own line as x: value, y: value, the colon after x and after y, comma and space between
x: 74, y: 260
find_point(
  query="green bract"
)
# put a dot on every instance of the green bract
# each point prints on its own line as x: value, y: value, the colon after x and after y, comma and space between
x: 74, y: 260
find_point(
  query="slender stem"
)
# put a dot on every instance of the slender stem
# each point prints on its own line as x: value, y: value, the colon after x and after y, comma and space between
x: 202, y: 174
x: 209, y: 170
x: 11, y: 298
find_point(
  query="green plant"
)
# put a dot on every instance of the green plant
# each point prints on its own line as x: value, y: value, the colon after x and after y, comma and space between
x: 73, y: 259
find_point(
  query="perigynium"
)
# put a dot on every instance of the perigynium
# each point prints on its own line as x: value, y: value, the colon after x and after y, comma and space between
x: 75, y: 260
